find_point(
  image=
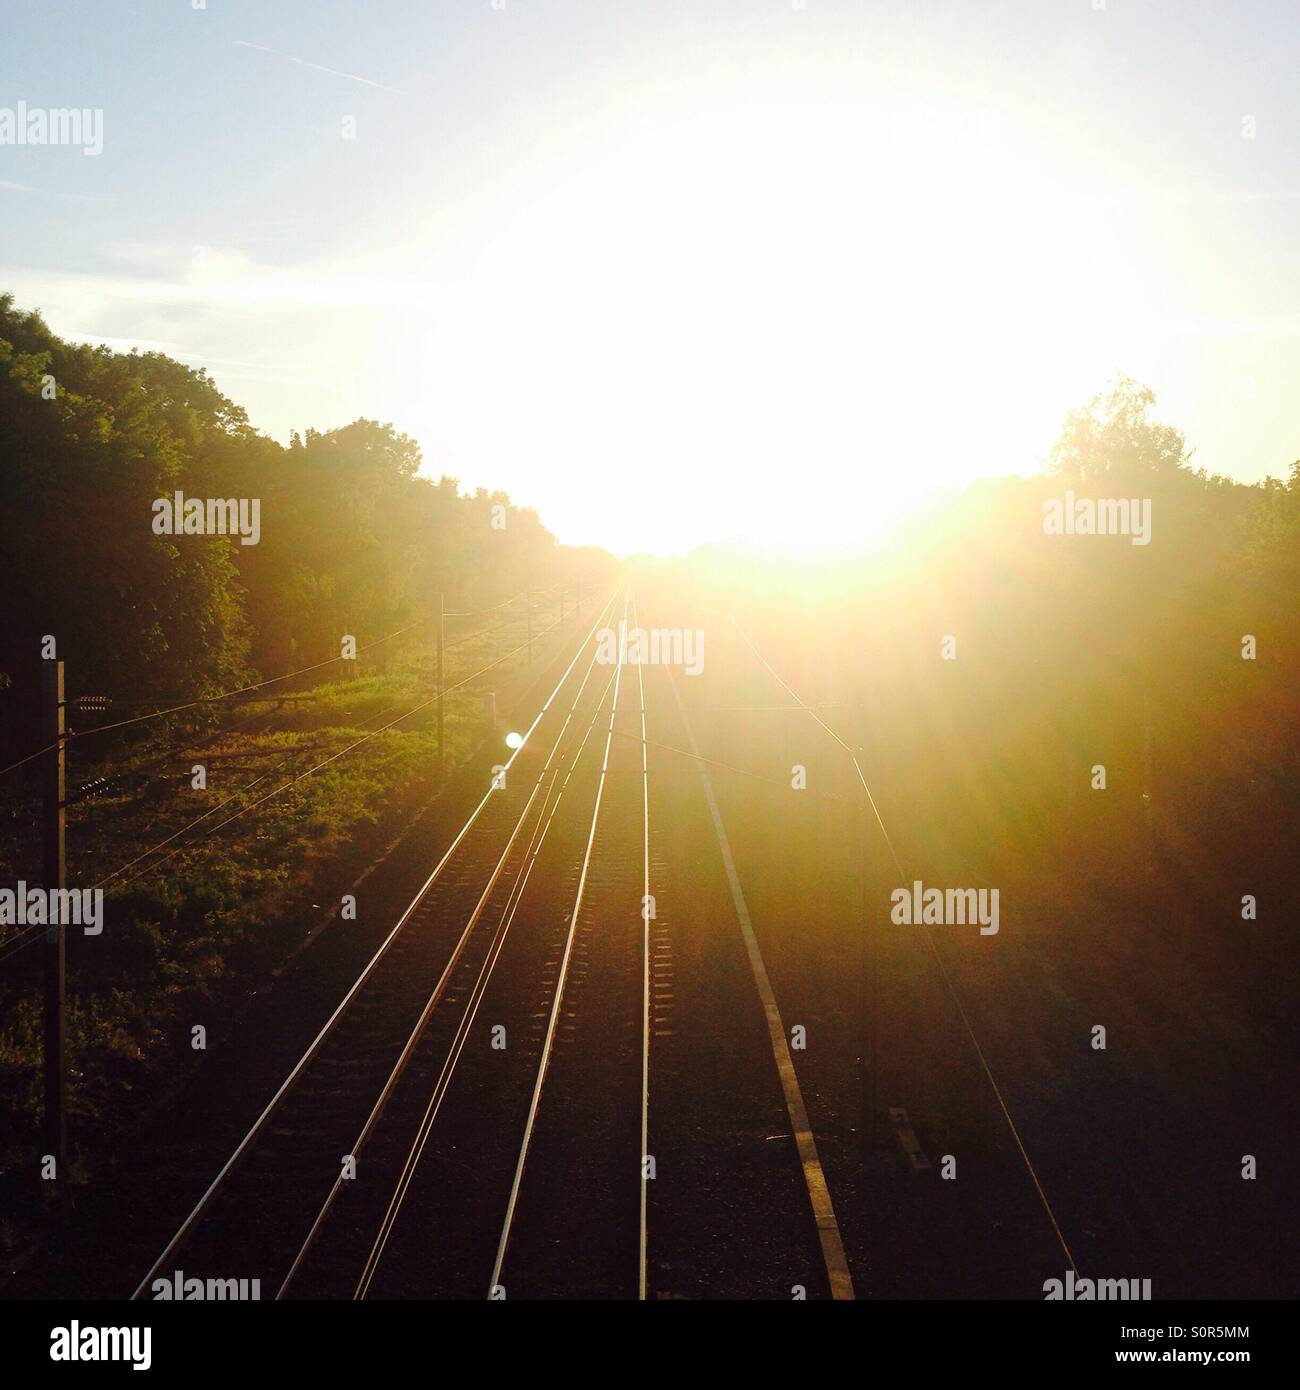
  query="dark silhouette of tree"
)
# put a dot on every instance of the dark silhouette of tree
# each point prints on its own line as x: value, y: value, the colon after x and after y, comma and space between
x: 353, y: 539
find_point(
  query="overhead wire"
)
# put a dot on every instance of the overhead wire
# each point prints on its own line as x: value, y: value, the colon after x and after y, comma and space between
x: 934, y: 948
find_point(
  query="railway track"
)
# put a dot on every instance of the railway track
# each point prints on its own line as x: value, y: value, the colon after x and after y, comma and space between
x: 570, y: 1194
x: 539, y: 1089
x: 268, y: 1194
x: 476, y: 1118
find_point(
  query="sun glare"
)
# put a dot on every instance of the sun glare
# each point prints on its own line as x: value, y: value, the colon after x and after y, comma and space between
x: 803, y: 316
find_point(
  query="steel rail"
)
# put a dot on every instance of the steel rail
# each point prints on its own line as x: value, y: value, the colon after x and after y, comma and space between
x: 295, y: 1074
x: 553, y: 1020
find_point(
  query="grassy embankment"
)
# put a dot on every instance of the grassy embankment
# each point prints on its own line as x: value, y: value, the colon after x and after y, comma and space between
x: 208, y: 917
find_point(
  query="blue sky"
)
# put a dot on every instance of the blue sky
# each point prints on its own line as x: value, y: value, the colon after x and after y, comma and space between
x: 868, y: 247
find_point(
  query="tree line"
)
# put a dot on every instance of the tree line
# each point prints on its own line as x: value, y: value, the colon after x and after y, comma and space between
x: 987, y: 661
x: 353, y: 540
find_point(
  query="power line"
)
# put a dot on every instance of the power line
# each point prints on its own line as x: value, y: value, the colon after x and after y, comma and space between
x: 934, y: 948
x: 479, y: 632
x: 291, y: 1080
x: 495, y: 608
x: 242, y: 690
x: 198, y: 820
x: 294, y: 780
x: 213, y: 735
x: 857, y: 766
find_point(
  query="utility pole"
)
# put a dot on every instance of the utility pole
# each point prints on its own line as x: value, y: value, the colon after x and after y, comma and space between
x: 1147, y: 802
x: 528, y: 603
x: 561, y: 604
x: 442, y: 634
x: 869, y: 987
x: 54, y: 817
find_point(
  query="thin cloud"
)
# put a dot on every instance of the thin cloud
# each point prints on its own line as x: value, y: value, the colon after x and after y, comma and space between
x: 234, y: 283
x: 319, y: 67
x: 8, y: 187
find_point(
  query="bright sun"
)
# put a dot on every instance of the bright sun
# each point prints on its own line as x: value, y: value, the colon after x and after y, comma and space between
x: 784, y: 322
